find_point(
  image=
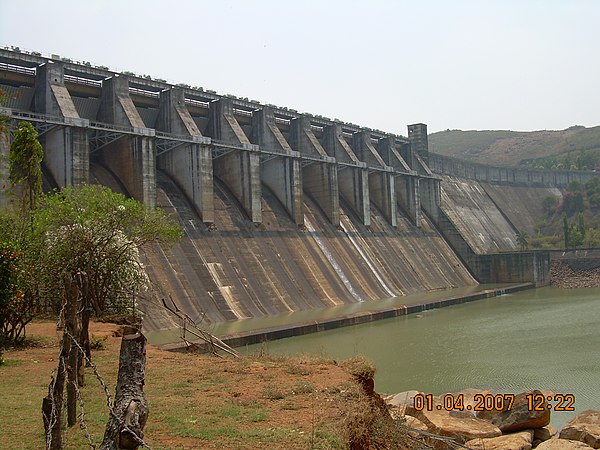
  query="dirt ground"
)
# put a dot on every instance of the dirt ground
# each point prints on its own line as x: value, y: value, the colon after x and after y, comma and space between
x: 196, y: 401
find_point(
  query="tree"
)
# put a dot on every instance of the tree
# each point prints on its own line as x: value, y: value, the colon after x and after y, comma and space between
x: 15, y: 309
x: 575, y: 232
x: 573, y: 202
x: 25, y: 159
x: 566, y: 229
x: 93, y: 235
x: 549, y: 204
x: 592, y: 189
x: 523, y: 240
x: 89, y: 240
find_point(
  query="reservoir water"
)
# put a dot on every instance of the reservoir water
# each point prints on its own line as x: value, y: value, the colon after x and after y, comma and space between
x: 546, y: 338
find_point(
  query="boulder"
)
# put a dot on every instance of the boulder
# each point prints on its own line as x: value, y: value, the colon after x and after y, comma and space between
x: 543, y: 434
x: 562, y: 444
x: 459, y: 425
x: 469, y: 397
x: 401, y: 401
x: 519, y: 416
x: 516, y: 441
x: 585, y: 427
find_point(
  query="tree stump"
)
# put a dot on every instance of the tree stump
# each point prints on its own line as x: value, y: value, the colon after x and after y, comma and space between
x: 125, y: 428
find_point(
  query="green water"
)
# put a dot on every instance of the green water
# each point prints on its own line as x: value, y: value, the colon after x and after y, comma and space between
x: 545, y: 338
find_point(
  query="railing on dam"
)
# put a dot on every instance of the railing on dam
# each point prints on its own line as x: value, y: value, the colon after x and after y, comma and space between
x: 446, y: 165
x: 102, y: 134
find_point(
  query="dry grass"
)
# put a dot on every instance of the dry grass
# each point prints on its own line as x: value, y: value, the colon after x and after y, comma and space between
x: 197, y: 401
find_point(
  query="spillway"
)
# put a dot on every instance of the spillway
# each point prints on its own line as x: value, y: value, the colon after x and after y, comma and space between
x: 236, y: 269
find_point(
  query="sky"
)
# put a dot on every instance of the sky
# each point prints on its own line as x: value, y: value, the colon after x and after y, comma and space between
x: 382, y: 64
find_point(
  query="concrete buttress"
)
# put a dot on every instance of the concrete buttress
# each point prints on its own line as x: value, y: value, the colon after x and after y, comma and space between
x: 417, y: 134
x: 66, y: 148
x: 429, y: 186
x: 239, y: 167
x: 132, y: 158
x: 353, y: 175
x: 190, y: 164
x: 382, y: 188
x: 319, y: 175
x: 281, y: 173
x: 406, y: 182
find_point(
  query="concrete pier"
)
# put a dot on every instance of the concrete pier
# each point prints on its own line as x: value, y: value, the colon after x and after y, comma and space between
x: 429, y: 187
x: 66, y: 148
x: 417, y: 134
x: 319, y: 176
x: 406, y: 182
x: 382, y: 188
x: 282, y: 174
x: 353, y: 175
x: 131, y: 158
x: 190, y: 164
x: 238, y: 168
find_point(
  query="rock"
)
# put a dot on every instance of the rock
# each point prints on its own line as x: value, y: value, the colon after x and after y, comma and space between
x: 413, y: 422
x: 469, y: 397
x: 411, y: 426
x: 543, y: 434
x: 562, y: 444
x: 401, y: 401
x: 516, y: 441
x: 401, y: 398
x: 519, y: 417
x: 456, y: 424
x: 585, y: 427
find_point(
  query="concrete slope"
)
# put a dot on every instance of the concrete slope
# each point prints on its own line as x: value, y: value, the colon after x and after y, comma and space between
x: 240, y: 270
x: 522, y: 205
x: 478, y: 219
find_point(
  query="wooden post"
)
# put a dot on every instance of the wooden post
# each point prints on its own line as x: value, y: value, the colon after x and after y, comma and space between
x: 72, y: 298
x: 52, y: 404
x: 125, y: 427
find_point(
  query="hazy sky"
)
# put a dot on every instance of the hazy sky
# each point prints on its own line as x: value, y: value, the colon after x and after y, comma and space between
x: 520, y: 65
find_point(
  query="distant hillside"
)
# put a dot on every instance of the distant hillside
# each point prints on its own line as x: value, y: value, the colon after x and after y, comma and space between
x: 514, y: 148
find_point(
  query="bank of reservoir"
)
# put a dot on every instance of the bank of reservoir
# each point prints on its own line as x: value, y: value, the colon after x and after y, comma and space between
x: 544, y: 338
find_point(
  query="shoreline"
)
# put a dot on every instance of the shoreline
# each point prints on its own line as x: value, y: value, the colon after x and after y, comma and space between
x: 265, y: 334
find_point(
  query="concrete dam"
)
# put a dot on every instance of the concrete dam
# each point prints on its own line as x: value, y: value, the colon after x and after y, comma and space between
x: 281, y: 211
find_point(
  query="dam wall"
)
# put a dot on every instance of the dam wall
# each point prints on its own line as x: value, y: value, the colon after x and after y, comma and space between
x: 476, y: 216
x: 281, y: 211
x: 480, y: 220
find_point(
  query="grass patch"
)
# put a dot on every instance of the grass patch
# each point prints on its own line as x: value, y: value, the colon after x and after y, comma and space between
x: 98, y: 343
x: 303, y: 388
x: 272, y: 393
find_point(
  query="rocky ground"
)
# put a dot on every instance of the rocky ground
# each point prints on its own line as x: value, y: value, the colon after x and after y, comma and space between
x: 562, y: 275
x: 514, y: 428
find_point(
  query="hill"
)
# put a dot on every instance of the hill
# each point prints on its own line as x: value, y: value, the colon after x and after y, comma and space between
x: 513, y: 148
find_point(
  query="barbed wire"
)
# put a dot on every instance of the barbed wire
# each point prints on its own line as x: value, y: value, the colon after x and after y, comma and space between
x: 82, y: 423
x: 109, y: 399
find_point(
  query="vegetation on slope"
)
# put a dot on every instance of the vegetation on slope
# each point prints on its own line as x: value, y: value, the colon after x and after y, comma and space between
x: 514, y: 148
x: 572, y: 221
